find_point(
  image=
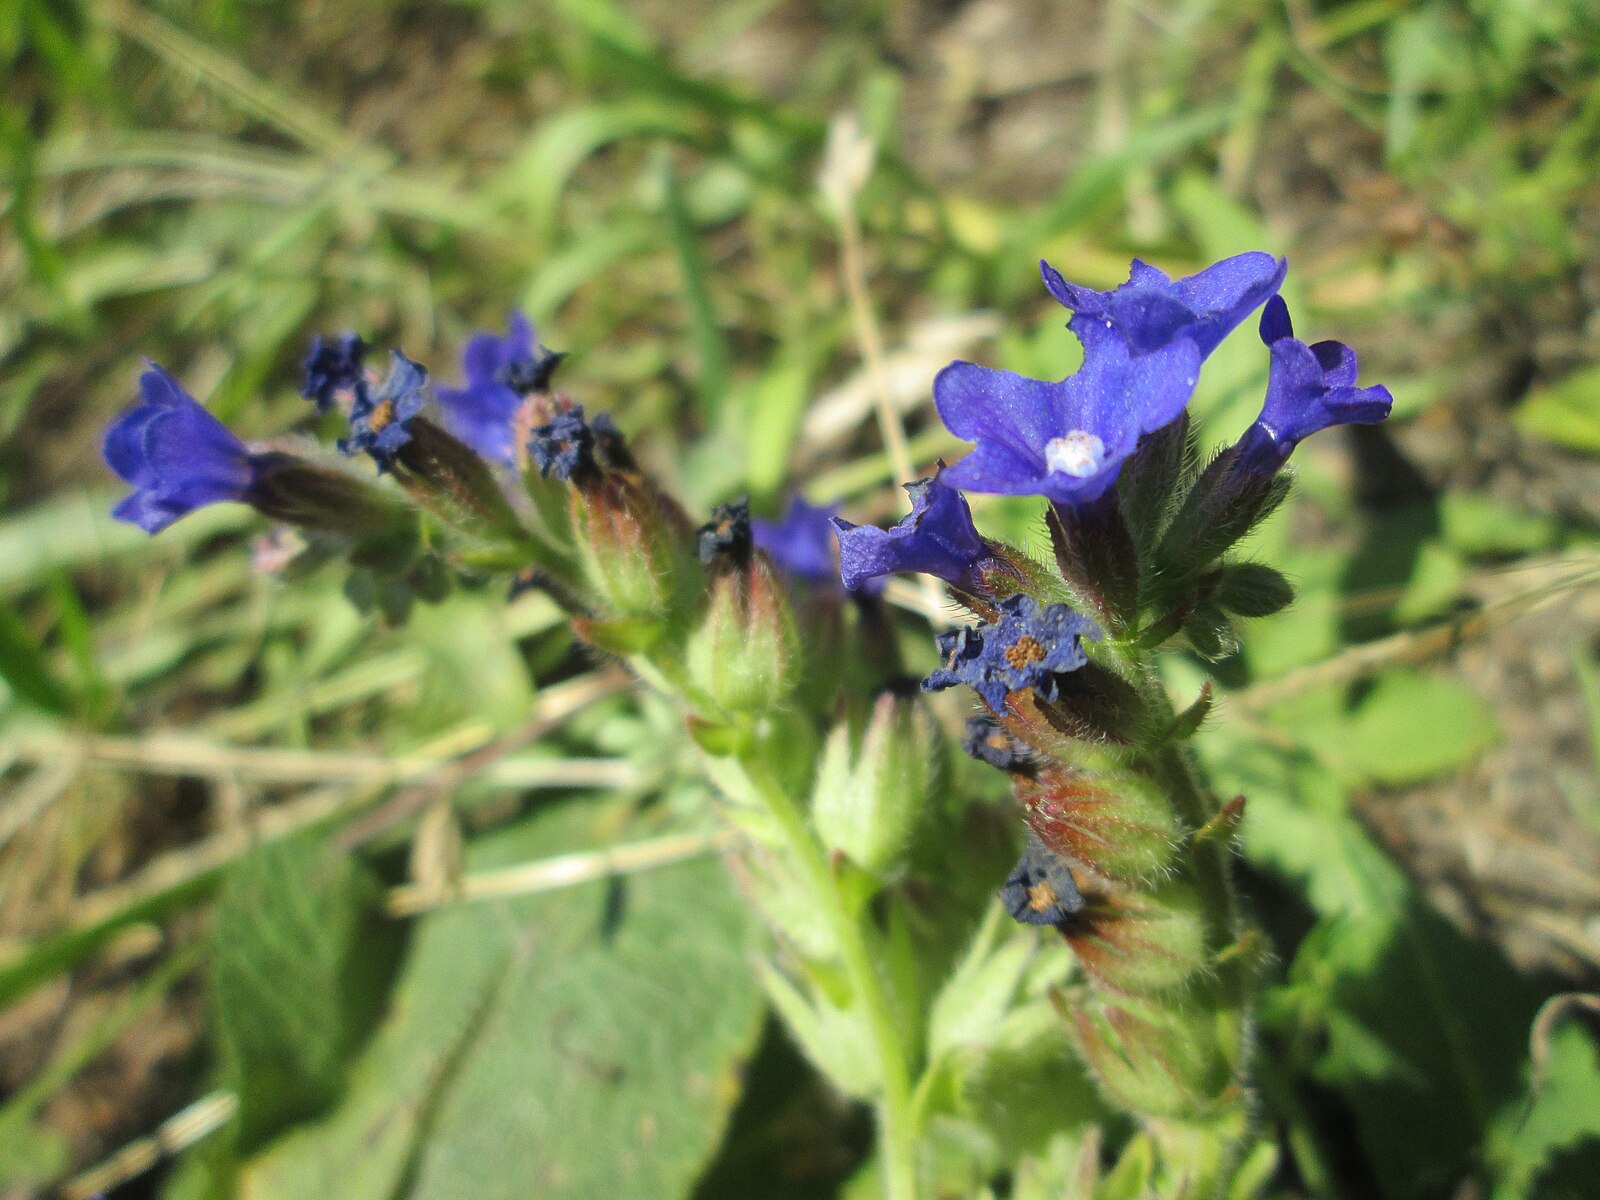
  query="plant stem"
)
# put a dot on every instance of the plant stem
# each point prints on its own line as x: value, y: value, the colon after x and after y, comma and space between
x: 896, y: 1128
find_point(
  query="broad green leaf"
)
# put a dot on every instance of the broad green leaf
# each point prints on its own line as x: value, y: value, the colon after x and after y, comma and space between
x: 582, y: 1042
x: 1566, y: 413
x: 1407, y: 727
x: 1480, y: 526
x: 287, y: 979
x: 611, y: 1066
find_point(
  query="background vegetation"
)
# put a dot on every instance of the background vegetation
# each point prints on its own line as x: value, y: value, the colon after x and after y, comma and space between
x: 209, y: 183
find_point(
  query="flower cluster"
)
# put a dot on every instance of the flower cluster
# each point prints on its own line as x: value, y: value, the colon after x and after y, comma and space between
x: 767, y: 630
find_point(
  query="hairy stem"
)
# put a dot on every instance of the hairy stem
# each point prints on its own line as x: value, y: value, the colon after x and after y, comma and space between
x: 896, y: 1125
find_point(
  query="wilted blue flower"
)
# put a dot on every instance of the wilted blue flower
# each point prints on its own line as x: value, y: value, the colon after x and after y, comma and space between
x: 1026, y: 646
x: 564, y: 447
x: 989, y: 743
x: 1152, y: 310
x: 177, y: 455
x: 378, y: 426
x: 1063, y: 440
x: 1041, y: 889
x: 937, y: 537
x: 1309, y: 388
x: 335, y: 365
x: 500, y: 372
x: 726, y: 536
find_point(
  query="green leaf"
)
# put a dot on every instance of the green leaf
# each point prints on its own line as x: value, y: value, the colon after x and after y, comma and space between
x: 1549, y: 1145
x: 26, y: 669
x: 1406, y: 728
x: 286, y: 979
x: 1566, y: 413
x: 1482, y: 527
x: 1386, y: 1002
x: 577, y: 1043
x: 710, y: 344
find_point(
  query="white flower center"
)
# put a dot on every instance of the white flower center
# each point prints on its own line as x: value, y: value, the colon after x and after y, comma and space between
x: 1079, y: 454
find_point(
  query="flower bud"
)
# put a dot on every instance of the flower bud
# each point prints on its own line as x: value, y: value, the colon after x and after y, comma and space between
x: 1221, y: 507
x: 1098, y: 559
x: 1250, y: 589
x: 1140, y: 943
x: 626, y: 550
x: 1158, y: 1061
x: 326, y: 499
x: 1116, y: 825
x: 743, y: 656
x: 448, y: 477
x: 866, y: 801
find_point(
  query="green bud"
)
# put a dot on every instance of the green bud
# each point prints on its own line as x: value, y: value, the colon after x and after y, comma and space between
x: 446, y: 476
x: 1252, y: 590
x: 1154, y: 1060
x: 866, y: 800
x: 1221, y: 507
x: 627, y: 553
x: 1097, y: 557
x: 742, y: 657
x: 1117, y: 825
x: 327, y: 499
x: 1141, y: 943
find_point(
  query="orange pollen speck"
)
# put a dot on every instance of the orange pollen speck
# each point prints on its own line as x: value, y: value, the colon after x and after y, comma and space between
x: 1023, y: 651
x: 1041, y: 896
x: 381, y: 416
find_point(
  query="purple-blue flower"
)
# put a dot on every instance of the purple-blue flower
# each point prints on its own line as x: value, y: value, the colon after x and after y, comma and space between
x: 378, y: 425
x: 937, y: 538
x: 1041, y: 889
x: 1309, y: 388
x: 1152, y: 310
x: 1026, y: 646
x: 801, y: 542
x: 1063, y: 440
x: 177, y: 456
x: 564, y: 447
x: 500, y: 371
x: 335, y: 365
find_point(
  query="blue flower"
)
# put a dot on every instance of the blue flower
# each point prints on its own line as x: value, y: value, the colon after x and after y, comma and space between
x: 1026, y: 646
x: 1152, y: 310
x: 565, y: 446
x: 937, y: 537
x: 378, y: 424
x: 989, y: 743
x: 1309, y: 388
x: 804, y: 545
x: 500, y: 372
x: 1041, y: 889
x: 1063, y: 440
x: 177, y: 456
x: 801, y: 543
x: 333, y: 366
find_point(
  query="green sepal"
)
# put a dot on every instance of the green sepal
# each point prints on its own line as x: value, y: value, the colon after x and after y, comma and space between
x: 1187, y: 723
x: 1209, y: 632
x: 1249, y: 589
x: 622, y: 637
x: 716, y: 738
